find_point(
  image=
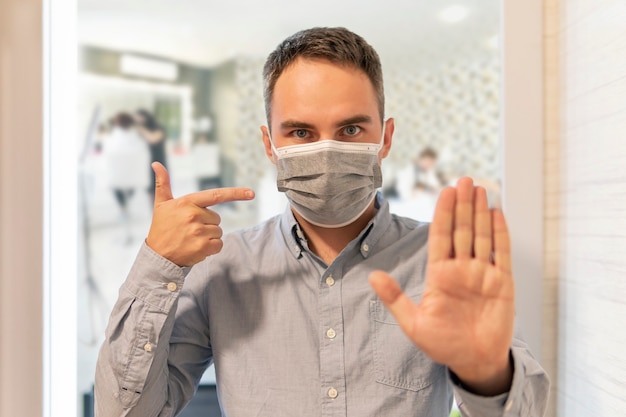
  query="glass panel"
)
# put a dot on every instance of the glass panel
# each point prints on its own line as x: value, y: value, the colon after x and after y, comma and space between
x: 200, y: 77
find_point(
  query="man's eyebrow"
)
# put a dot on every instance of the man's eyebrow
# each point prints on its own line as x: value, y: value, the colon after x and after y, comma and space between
x: 294, y: 124
x: 354, y: 120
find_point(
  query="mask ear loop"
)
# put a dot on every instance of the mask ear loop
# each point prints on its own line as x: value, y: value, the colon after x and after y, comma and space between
x: 274, y: 150
x: 382, y: 137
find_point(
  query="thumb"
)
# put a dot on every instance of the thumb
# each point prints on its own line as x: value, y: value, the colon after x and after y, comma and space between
x: 396, y: 301
x: 163, y: 190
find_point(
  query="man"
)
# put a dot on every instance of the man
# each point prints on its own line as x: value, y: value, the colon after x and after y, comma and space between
x: 285, y: 310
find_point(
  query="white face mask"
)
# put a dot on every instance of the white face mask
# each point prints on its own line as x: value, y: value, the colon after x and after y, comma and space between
x: 328, y: 182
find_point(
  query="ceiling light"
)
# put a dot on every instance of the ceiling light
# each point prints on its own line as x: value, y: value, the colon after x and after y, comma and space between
x: 453, y: 14
x: 148, y: 67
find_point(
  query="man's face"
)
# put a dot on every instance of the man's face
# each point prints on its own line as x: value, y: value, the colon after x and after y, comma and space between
x: 316, y: 100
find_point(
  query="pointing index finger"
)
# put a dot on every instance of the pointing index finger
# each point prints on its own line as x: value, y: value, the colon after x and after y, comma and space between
x: 215, y: 196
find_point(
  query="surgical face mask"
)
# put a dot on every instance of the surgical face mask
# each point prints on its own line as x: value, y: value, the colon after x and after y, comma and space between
x: 328, y: 182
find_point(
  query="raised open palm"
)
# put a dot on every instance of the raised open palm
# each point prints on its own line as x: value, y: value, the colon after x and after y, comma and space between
x: 465, y: 318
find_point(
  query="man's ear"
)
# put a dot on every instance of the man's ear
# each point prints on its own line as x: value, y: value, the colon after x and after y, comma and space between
x: 268, y: 144
x: 389, y: 127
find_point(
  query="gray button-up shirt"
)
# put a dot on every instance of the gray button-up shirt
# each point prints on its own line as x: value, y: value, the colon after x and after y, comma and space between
x: 288, y: 334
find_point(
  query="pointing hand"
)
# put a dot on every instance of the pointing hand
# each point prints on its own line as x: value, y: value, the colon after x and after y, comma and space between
x: 183, y: 229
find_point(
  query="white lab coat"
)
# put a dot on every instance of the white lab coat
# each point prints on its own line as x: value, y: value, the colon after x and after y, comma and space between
x: 127, y: 160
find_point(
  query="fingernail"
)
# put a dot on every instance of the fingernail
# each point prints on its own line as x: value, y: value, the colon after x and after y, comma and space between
x: 249, y: 194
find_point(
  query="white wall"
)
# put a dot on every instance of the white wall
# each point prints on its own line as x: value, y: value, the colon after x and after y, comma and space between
x: 21, y: 202
x: 589, y: 211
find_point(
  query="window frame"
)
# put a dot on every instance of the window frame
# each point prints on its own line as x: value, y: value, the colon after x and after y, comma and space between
x: 60, y: 211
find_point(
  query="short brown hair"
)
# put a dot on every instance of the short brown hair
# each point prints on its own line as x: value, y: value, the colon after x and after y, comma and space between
x: 337, y: 45
x: 123, y: 120
x: 428, y: 152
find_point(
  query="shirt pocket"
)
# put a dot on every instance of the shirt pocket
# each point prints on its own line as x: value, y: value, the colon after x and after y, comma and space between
x: 397, y: 361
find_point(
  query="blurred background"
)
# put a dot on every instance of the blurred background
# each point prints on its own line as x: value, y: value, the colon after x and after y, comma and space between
x: 180, y: 83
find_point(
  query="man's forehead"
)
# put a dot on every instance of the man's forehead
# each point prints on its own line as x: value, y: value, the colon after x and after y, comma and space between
x: 319, y: 86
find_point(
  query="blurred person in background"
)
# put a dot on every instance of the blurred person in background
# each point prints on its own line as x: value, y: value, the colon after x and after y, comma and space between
x: 126, y: 156
x: 427, y: 176
x: 417, y: 186
x: 420, y: 176
x: 154, y: 134
x: 103, y: 131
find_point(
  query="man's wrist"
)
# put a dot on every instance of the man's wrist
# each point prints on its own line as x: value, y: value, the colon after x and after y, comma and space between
x: 489, y: 382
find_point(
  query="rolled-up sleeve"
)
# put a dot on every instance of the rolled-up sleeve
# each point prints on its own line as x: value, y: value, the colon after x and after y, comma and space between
x: 132, y: 374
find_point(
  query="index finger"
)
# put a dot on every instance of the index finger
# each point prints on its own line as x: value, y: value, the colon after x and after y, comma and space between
x: 215, y: 196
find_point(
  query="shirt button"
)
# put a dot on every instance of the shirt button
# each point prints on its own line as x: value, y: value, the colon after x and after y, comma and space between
x: 148, y: 347
x: 332, y: 393
x: 331, y: 333
x: 330, y: 281
x: 172, y: 286
x: 365, y: 247
x: 508, y: 405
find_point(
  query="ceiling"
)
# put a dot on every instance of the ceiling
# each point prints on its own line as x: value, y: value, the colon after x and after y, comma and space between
x: 208, y: 32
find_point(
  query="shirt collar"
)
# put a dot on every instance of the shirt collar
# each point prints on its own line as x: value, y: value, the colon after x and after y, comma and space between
x: 291, y: 232
x: 294, y: 238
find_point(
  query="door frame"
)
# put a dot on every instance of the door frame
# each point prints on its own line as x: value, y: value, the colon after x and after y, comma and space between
x: 522, y: 160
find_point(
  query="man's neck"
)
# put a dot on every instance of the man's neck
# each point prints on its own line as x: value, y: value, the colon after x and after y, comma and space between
x: 327, y: 243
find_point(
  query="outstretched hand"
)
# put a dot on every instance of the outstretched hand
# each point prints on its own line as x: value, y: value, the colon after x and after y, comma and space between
x: 465, y: 318
x: 184, y: 230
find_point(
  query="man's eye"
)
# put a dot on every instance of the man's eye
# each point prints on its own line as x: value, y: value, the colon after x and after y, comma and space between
x: 352, y: 130
x: 301, y: 133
